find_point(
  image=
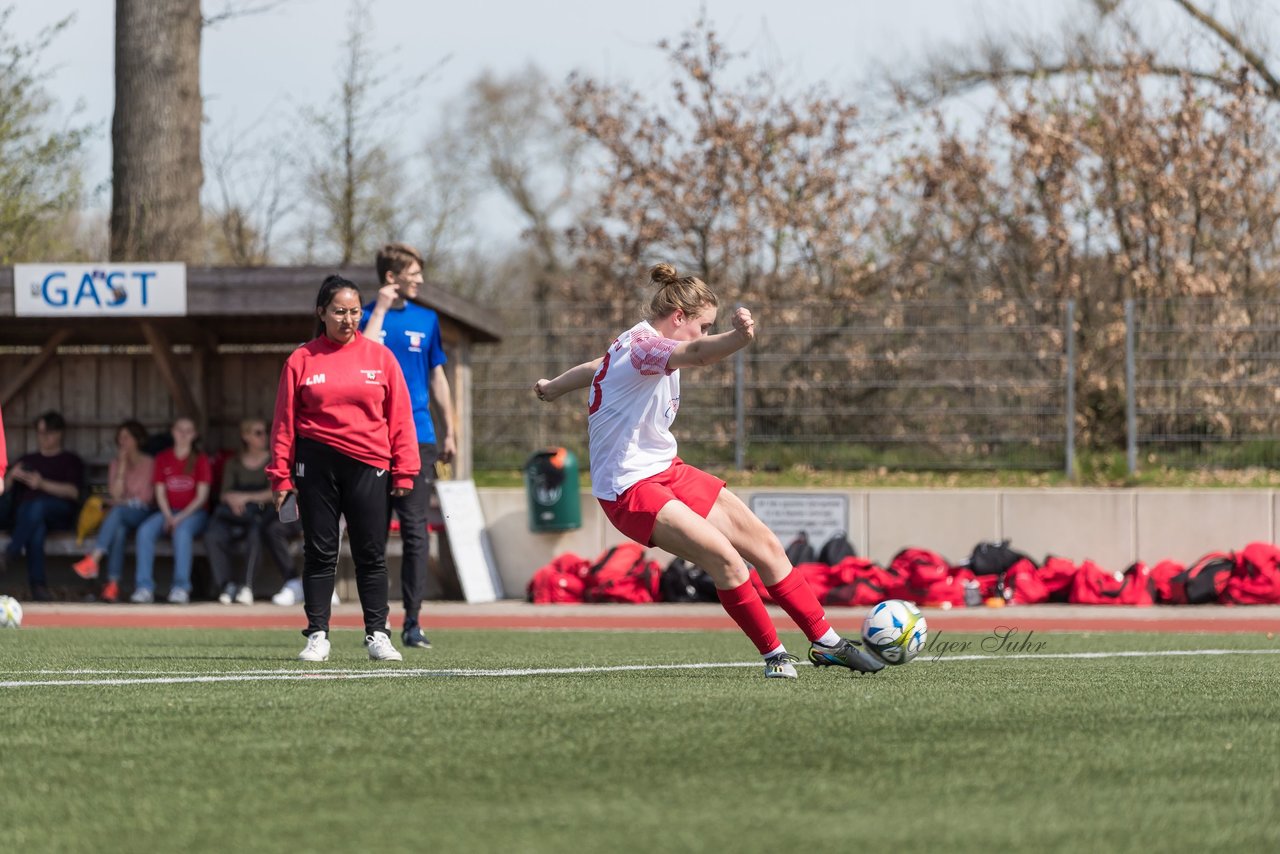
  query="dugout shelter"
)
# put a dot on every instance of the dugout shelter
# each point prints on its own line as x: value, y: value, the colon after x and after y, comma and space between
x: 219, y: 363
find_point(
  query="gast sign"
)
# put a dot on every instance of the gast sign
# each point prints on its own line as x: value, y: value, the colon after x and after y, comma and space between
x: 89, y: 290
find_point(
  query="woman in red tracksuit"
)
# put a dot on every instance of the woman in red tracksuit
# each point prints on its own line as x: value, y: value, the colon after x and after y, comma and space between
x: 343, y: 440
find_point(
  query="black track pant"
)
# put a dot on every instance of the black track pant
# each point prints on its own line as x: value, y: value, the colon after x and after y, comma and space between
x: 330, y: 485
x: 412, y: 510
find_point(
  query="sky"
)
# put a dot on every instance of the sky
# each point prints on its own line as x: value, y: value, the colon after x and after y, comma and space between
x: 263, y: 68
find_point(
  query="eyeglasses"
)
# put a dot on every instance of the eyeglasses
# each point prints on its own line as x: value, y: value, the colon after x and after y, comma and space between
x: 346, y: 312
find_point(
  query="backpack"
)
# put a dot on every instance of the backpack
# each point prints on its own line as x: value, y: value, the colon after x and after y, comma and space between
x: 1255, y: 579
x: 683, y: 582
x: 621, y: 574
x: 563, y: 581
x: 800, y: 551
x: 1203, y: 581
x: 990, y: 558
x: 836, y: 549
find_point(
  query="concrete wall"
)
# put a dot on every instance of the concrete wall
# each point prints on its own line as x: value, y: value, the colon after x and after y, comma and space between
x: 1113, y: 527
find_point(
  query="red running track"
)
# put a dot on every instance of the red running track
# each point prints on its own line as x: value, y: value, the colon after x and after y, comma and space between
x: 1264, y: 620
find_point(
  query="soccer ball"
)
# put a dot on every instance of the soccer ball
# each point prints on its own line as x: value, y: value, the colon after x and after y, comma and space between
x: 895, y: 631
x: 10, y: 612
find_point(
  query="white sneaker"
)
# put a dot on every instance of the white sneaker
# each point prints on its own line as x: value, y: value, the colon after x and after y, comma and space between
x: 380, y: 648
x: 317, y: 648
x: 244, y: 596
x: 227, y: 594
x: 142, y: 596
x: 178, y: 596
x: 290, y: 594
x: 334, y: 600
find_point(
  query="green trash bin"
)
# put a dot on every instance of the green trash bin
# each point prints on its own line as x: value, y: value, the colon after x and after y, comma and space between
x: 551, y: 486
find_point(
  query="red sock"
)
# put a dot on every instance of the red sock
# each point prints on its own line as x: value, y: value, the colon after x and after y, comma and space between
x: 743, y: 603
x: 796, y: 597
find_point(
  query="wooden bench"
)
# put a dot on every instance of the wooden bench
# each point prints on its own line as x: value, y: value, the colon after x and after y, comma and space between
x: 61, y: 551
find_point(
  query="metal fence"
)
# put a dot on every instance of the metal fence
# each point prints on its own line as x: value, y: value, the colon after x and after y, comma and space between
x: 1203, y: 383
x: 829, y: 385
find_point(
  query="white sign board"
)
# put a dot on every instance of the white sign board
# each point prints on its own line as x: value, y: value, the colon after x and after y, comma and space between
x: 819, y: 515
x: 100, y: 290
x: 468, y: 541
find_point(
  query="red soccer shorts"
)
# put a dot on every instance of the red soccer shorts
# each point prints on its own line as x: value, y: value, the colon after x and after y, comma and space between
x: 635, y: 511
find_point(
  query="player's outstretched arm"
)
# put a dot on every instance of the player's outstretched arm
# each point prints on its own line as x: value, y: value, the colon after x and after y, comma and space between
x: 712, y: 348
x: 577, y: 377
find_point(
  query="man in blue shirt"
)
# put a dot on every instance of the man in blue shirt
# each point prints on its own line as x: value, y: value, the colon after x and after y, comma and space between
x: 412, y: 333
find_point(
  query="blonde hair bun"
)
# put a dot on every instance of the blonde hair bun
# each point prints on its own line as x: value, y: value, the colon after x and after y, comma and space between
x: 663, y: 274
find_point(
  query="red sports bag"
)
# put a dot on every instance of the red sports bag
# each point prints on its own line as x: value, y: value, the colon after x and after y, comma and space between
x: 562, y: 580
x: 621, y: 574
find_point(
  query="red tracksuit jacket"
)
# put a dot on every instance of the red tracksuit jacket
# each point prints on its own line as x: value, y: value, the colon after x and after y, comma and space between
x: 351, y: 397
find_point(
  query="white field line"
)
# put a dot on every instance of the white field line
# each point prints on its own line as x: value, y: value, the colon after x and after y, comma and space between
x: 134, y: 677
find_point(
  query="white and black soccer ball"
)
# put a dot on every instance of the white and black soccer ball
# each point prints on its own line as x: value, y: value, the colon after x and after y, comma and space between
x: 10, y: 612
x: 895, y: 631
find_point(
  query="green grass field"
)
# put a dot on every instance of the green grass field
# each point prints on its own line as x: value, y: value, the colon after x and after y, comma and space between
x: 1142, y: 753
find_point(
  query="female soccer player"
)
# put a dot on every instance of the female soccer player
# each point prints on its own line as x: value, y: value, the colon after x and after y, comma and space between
x: 654, y: 497
x: 343, y: 442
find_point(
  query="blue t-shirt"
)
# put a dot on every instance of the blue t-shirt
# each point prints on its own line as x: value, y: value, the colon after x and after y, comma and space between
x: 412, y: 334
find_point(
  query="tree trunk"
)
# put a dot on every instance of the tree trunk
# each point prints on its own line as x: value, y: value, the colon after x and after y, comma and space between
x: 155, y: 133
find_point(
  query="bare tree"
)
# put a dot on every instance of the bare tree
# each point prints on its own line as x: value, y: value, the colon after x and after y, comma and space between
x: 231, y: 9
x: 253, y: 197
x: 444, y: 193
x: 529, y: 154
x: 1095, y: 40
x: 356, y: 178
x: 739, y: 183
x: 40, y: 169
x: 1098, y: 187
x: 155, y: 131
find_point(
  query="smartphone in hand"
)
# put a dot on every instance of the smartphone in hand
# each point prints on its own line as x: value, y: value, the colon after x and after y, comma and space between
x: 289, y: 508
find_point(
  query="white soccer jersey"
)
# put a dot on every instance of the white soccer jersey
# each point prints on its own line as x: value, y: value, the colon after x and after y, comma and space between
x: 630, y: 406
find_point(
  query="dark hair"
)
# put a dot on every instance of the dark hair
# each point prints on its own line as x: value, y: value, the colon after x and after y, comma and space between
x: 53, y: 421
x: 395, y: 258
x: 328, y: 288
x: 134, y: 429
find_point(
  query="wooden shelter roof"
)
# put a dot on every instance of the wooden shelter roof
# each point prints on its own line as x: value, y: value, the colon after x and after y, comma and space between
x: 235, y: 305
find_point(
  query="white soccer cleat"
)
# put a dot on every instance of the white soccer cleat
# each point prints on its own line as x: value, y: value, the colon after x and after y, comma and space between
x: 780, y: 666
x: 317, y: 648
x: 380, y: 648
